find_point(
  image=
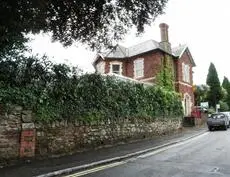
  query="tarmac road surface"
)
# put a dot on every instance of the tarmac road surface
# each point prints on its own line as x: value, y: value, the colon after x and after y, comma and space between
x: 207, y: 155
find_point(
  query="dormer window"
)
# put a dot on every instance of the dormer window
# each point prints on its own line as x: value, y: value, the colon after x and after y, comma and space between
x: 116, y: 67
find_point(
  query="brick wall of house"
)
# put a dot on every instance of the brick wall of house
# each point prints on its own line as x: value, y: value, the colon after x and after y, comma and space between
x: 107, y: 66
x: 152, y: 64
x: 109, y: 61
x: 185, y: 89
x: 184, y: 59
x: 181, y: 86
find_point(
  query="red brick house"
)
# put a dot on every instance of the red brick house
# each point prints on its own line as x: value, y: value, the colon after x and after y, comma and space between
x: 143, y: 61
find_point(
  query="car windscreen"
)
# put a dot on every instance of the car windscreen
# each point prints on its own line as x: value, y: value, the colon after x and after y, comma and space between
x: 217, y: 116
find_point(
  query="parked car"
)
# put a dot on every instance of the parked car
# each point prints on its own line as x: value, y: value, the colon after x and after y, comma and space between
x: 218, y: 120
x: 228, y: 115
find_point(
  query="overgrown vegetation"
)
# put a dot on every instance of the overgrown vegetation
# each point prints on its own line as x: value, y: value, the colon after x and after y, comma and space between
x: 57, y: 92
x: 214, y: 92
x: 165, y: 77
x: 200, y: 93
x: 97, y: 23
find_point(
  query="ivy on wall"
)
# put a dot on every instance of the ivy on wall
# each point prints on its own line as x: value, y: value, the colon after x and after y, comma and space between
x: 165, y: 78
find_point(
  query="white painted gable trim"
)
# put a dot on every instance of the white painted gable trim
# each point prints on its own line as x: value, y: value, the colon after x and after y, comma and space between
x: 96, y: 58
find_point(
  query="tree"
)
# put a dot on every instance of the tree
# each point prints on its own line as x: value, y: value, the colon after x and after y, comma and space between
x: 97, y: 23
x: 226, y: 86
x: 224, y: 106
x: 200, y: 93
x: 215, y: 93
x: 225, y: 83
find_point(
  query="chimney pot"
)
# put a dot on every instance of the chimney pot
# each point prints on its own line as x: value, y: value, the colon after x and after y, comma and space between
x: 164, y: 32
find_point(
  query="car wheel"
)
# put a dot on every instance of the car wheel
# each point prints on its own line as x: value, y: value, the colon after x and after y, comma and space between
x: 209, y: 128
x: 225, y: 127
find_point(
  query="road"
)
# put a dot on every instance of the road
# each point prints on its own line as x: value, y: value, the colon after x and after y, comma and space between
x: 205, y: 156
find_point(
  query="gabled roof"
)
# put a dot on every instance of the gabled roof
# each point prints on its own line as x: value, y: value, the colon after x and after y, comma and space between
x: 179, y: 51
x: 117, y: 52
x: 143, y: 47
x: 121, y: 52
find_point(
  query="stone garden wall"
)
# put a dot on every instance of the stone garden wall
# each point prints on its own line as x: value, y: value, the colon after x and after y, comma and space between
x: 10, y: 133
x: 21, y: 138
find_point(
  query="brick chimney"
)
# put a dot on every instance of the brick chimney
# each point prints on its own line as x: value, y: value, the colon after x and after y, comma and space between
x: 165, y: 44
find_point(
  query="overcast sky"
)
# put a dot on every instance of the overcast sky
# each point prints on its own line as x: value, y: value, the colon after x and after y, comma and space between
x: 204, y: 25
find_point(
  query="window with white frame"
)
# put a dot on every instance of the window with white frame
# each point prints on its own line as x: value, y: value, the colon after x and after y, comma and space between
x: 100, y: 67
x: 138, y: 67
x: 116, y: 67
x: 186, y: 73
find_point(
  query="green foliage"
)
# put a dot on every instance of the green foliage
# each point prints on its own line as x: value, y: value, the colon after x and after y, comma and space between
x: 94, y: 22
x: 211, y: 110
x: 59, y: 92
x: 165, y: 77
x: 225, y: 83
x: 12, y: 46
x: 224, y: 106
x: 224, y: 93
x: 200, y: 94
x: 215, y: 93
x: 226, y: 86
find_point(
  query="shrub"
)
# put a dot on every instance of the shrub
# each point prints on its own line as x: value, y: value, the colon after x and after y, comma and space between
x: 57, y: 92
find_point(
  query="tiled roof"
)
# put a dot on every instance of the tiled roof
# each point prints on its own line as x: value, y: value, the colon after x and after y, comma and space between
x: 118, y: 52
x: 143, y: 47
x: 179, y: 50
x: 123, y: 52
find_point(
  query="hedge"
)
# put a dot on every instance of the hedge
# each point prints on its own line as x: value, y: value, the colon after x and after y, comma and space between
x: 58, y: 92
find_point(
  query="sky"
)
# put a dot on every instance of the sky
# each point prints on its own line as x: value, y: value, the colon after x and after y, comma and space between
x: 203, y: 25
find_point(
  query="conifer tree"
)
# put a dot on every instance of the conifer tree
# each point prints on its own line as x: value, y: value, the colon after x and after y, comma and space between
x: 214, y: 94
x: 225, y: 83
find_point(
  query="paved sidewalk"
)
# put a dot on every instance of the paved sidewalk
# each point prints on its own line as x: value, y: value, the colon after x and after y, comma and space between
x: 39, y: 167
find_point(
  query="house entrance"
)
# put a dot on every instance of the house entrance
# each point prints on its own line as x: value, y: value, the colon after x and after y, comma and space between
x: 187, y: 105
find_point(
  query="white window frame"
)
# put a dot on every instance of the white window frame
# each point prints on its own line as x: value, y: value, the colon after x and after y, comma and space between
x: 116, y: 63
x: 100, y: 67
x: 186, y: 73
x: 137, y: 69
x: 183, y: 72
